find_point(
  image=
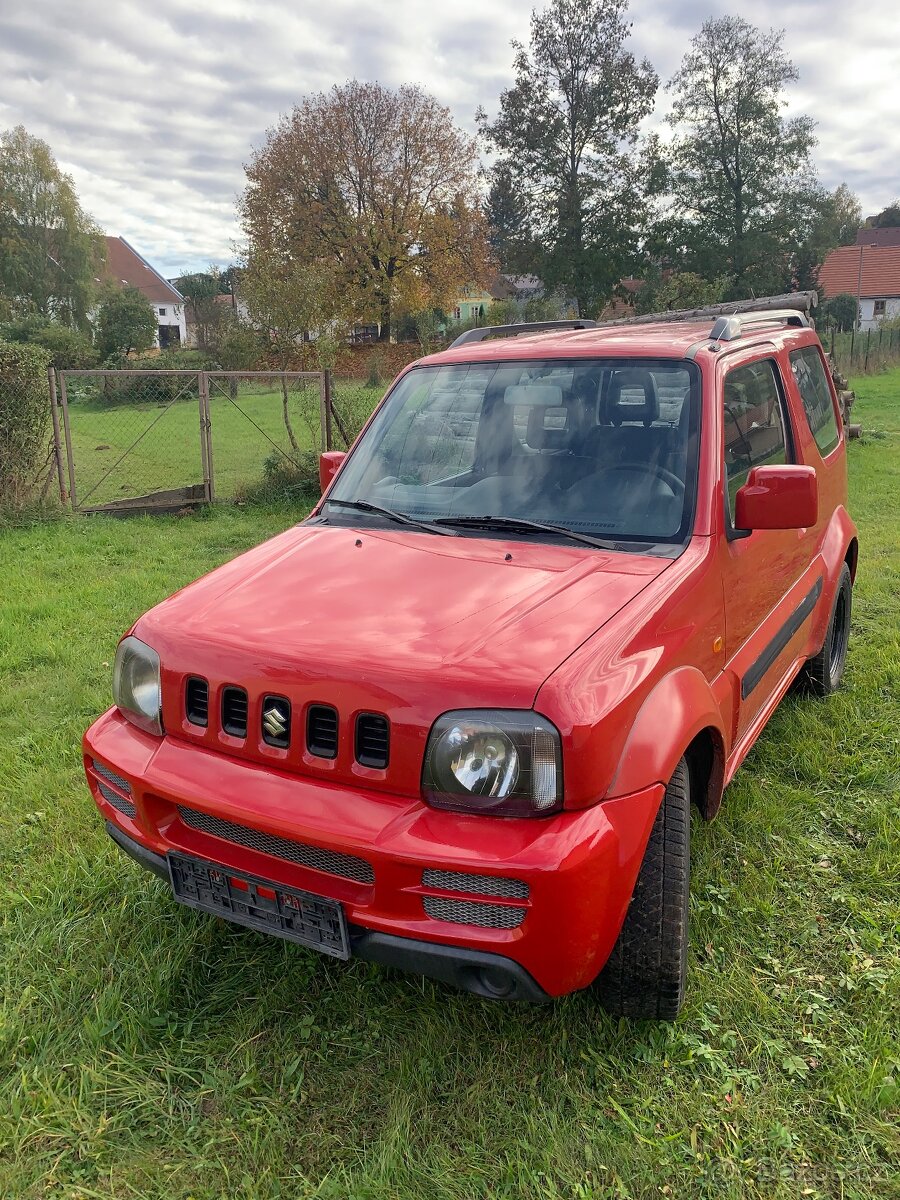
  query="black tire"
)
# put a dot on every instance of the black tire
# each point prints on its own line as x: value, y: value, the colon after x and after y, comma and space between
x: 822, y: 673
x: 645, y: 974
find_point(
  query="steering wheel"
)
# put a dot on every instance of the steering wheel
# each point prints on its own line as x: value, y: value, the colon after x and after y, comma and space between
x: 667, y: 477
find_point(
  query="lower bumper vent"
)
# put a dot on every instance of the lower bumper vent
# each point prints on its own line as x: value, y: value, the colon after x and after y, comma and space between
x: 331, y: 862
x: 122, y: 804
x: 470, y: 912
x: 477, y: 885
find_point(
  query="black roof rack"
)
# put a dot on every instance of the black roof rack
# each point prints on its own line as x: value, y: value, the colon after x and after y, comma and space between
x: 486, y: 331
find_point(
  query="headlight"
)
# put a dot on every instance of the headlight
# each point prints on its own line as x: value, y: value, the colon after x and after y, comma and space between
x: 503, y: 763
x: 136, y: 688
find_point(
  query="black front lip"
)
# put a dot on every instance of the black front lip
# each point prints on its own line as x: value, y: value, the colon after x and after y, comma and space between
x: 492, y: 976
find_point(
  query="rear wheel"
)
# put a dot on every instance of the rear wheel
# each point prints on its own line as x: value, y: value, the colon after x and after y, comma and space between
x: 645, y: 974
x: 822, y: 673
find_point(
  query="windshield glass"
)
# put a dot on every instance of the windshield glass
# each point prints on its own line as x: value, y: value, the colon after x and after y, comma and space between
x: 606, y: 448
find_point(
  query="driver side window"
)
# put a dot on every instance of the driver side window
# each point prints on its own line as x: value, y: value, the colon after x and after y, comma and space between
x: 753, y: 422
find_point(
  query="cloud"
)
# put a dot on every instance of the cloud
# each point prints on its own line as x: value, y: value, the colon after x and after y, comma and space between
x: 154, y: 110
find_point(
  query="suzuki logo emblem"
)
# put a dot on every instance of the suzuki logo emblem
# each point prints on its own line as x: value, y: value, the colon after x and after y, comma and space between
x: 274, y: 721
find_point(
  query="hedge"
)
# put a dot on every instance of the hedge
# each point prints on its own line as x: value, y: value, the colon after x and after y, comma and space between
x: 24, y: 421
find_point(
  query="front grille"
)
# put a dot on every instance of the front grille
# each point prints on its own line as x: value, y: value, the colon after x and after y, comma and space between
x: 479, y: 885
x: 332, y: 862
x: 469, y: 912
x: 234, y: 711
x: 322, y: 731
x: 196, y: 701
x: 372, y: 740
x: 120, y: 803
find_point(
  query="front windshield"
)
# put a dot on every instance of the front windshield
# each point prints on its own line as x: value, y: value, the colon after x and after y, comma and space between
x: 601, y: 447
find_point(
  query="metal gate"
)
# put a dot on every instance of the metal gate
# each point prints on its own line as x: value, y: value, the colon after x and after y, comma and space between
x: 162, y: 441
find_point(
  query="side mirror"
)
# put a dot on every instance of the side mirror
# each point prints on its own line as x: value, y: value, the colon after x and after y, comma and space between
x: 777, y: 498
x: 329, y: 465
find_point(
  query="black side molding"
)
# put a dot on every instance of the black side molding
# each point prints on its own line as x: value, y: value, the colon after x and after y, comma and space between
x: 757, y: 670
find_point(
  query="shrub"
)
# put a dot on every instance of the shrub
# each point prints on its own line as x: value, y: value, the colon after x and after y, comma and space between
x: 375, y: 376
x: 154, y: 388
x: 285, y: 479
x: 25, y: 449
x: 70, y: 349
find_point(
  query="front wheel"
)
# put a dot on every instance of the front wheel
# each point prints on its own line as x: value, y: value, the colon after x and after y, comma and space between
x: 645, y: 974
x: 822, y: 673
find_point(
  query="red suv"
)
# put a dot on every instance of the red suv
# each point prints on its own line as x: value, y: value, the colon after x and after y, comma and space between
x: 454, y: 720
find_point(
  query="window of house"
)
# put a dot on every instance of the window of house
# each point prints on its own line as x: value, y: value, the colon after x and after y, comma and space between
x: 880, y: 308
x: 754, y: 424
x: 457, y: 313
x: 812, y: 383
x: 162, y: 312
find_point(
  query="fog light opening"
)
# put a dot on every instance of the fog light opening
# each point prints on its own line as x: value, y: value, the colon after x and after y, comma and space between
x: 495, y: 982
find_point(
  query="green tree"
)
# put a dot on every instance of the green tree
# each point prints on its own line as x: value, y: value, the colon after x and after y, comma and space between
x: 509, y: 230
x: 669, y: 291
x: 200, y: 289
x: 126, y: 323
x: 743, y: 187
x: 50, y: 250
x: 888, y: 218
x: 841, y: 311
x: 567, y: 133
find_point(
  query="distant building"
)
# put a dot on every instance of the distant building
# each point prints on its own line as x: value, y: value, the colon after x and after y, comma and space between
x: 127, y: 268
x: 869, y: 270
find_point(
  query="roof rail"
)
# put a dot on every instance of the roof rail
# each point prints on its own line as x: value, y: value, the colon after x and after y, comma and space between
x: 726, y: 329
x: 486, y: 331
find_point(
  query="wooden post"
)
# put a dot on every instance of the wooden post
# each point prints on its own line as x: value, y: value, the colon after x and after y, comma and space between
x: 868, y: 342
x: 57, y: 436
x: 206, y: 419
x: 70, y: 458
x: 201, y: 412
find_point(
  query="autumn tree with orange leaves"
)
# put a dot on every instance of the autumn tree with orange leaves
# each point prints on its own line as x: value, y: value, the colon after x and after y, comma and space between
x: 375, y: 191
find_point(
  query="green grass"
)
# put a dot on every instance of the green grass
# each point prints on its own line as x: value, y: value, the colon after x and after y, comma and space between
x: 146, y: 1051
x: 245, y: 433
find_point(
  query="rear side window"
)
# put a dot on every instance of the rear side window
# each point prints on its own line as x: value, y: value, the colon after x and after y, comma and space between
x: 754, y: 426
x: 812, y: 382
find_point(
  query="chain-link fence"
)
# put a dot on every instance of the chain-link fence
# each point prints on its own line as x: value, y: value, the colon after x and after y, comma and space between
x: 131, y: 435
x: 164, y: 440
x: 266, y: 433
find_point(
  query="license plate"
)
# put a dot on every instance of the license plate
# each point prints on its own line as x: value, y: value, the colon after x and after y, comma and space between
x: 301, y: 917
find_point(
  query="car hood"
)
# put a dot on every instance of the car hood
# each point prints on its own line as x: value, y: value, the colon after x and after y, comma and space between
x: 490, y: 617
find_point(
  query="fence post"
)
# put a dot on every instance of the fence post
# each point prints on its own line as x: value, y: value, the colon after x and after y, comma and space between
x: 57, y: 436
x: 206, y: 447
x: 852, y: 343
x: 868, y: 341
x: 70, y: 458
x: 326, y: 409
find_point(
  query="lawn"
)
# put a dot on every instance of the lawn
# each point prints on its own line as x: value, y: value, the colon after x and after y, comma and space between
x: 131, y: 449
x: 146, y: 1051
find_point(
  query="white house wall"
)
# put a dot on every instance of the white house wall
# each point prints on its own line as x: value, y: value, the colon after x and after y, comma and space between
x: 868, y: 320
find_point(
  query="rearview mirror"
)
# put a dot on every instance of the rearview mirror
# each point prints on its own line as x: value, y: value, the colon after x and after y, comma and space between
x: 329, y: 465
x: 784, y: 497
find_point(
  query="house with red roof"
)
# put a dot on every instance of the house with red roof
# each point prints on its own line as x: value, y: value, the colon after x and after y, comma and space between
x: 869, y: 270
x: 127, y: 268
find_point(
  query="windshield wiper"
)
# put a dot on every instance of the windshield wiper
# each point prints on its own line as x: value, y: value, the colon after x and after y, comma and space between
x: 400, y: 518
x: 524, y: 525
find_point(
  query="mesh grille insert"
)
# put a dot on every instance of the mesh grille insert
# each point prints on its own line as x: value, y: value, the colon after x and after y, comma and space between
x: 234, y: 711
x: 118, y: 802
x: 322, y: 731
x: 372, y: 740
x: 468, y: 912
x: 111, y: 777
x: 196, y: 701
x: 480, y: 885
x: 332, y: 862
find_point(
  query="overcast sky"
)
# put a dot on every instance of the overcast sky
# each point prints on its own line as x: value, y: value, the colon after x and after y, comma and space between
x: 154, y: 108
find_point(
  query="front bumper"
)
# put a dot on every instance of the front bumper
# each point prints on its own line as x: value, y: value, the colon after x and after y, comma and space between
x: 579, y: 868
